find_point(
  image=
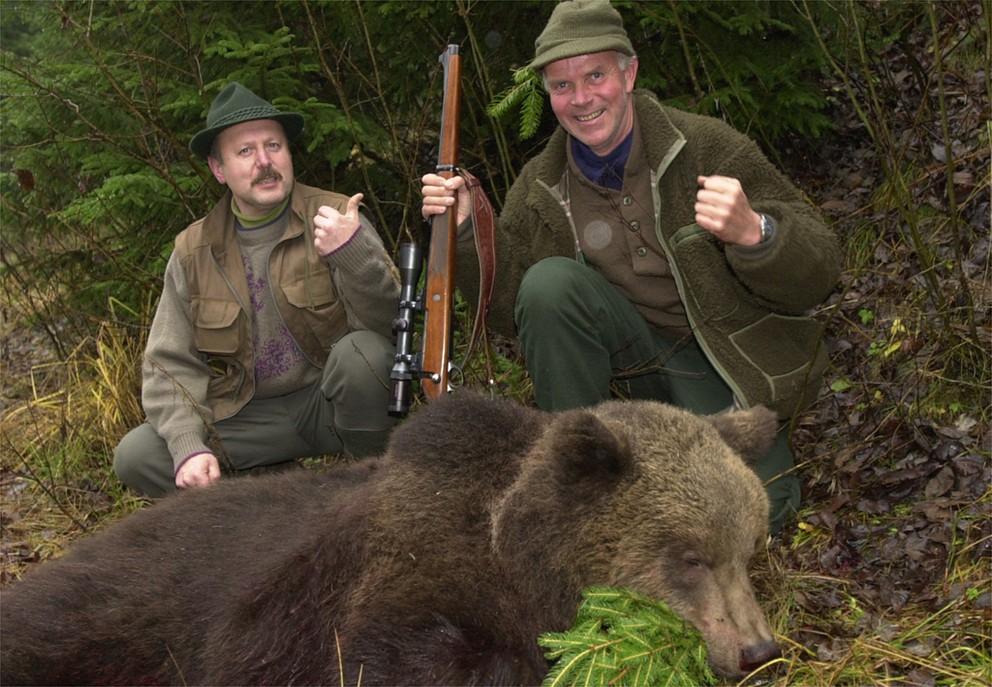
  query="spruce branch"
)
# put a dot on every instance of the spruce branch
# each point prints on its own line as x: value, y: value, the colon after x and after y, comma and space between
x: 621, y: 637
x: 527, y: 92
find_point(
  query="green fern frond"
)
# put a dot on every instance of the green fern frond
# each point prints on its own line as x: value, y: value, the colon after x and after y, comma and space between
x: 621, y: 637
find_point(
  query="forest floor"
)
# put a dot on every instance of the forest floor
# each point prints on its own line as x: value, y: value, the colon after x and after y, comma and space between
x: 896, y: 530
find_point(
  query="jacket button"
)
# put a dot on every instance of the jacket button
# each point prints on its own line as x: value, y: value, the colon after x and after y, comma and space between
x: 642, y: 251
x: 628, y: 200
x: 634, y: 226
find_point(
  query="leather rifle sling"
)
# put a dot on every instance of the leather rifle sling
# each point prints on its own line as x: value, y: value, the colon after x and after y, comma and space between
x: 483, y: 221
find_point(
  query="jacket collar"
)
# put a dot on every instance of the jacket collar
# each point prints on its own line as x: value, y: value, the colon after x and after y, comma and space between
x: 661, y: 139
x: 219, y: 223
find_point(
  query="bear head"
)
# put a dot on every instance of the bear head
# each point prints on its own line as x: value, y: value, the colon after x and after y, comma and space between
x: 646, y: 496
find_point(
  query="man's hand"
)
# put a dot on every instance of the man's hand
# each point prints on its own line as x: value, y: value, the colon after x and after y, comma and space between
x: 439, y: 195
x: 332, y: 230
x: 199, y: 470
x: 723, y: 210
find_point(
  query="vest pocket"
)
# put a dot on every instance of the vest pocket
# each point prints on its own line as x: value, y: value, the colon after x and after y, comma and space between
x: 321, y: 309
x: 216, y: 337
x: 315, y: 293
x: 215, y: 324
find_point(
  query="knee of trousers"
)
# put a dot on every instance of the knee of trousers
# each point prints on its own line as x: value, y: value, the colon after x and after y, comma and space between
x: 551, y: 286
x: 357, y: 369
x: 362, y: 352
x: 142, y: 461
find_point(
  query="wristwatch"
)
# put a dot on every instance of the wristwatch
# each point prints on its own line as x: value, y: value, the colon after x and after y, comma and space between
x: 767, y: 228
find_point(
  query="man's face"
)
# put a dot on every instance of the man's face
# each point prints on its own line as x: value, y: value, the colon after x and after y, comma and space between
x: 590, y: 95
x: 256, y: 165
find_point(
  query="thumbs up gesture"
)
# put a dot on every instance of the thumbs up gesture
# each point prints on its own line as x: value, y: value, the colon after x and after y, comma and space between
x: 332, y: 229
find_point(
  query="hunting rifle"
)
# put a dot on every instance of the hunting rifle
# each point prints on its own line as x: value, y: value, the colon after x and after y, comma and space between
x: 433, y: 364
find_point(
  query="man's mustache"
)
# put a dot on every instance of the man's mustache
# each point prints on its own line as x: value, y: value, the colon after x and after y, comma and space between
x: 268, y: 174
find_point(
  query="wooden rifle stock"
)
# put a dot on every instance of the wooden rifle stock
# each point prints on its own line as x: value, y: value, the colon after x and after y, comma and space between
x: 440, y: 281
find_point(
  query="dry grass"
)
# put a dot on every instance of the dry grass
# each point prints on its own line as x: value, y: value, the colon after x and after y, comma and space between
x: 56, y: 449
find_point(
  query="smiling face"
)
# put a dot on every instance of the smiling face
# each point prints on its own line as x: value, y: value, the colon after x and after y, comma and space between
x: 253, y: 159
x: 591, y: 96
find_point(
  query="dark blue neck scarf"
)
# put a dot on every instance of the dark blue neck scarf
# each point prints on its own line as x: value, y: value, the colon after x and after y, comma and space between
x: 603, y: 171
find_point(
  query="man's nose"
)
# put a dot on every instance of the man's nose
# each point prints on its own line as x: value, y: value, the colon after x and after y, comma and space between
x: 581, y: 93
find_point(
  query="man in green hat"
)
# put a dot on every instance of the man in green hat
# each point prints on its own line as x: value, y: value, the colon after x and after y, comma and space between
x: 652, y: 253
x: 272, y: 338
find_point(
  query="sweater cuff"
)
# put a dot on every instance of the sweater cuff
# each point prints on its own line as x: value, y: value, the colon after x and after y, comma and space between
x: 184, y: 446
x: 354, y: 255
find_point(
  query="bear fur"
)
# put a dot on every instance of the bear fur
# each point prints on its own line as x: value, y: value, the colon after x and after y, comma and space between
x: 439, y: 563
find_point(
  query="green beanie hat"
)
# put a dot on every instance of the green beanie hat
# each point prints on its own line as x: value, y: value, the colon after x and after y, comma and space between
x: 580, y: 27
x: 234, y: 105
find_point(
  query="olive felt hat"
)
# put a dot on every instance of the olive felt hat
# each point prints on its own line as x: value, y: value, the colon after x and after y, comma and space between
x: 235, y: 105
x: 580, y: 27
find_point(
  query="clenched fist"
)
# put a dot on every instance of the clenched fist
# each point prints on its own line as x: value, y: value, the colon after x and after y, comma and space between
x: 723, y: 210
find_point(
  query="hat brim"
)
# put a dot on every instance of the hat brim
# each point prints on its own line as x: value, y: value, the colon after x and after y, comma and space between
x: 582, y: 46
x: 292, y: 123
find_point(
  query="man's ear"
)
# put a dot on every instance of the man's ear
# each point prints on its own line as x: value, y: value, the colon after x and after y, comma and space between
x: 749, y: 432
x: 217, y: 169
x: 631, y: 75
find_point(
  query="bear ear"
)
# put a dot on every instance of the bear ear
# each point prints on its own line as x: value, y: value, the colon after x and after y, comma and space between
x: 588, y: 455
x: 749, y: 432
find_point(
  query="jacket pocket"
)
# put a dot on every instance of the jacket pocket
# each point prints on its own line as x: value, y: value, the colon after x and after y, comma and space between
x: 786, y: 351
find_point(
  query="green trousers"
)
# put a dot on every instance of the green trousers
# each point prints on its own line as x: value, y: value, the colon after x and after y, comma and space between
x: 583, y: 343
x: 346, y: 410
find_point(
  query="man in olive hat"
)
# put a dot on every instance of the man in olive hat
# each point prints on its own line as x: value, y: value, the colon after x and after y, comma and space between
x: 272, y: 338
x: 652, y: 253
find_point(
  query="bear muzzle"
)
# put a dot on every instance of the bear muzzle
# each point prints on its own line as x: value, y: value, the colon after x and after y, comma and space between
x: 757, y: 655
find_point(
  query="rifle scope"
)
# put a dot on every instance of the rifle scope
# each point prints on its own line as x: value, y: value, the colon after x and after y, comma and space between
x: 405, y: 363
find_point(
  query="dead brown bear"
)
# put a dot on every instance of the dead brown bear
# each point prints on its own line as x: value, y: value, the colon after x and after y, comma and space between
x: 439, y: 563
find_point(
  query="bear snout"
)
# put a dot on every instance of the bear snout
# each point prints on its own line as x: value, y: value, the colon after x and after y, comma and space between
x: 757, y: 655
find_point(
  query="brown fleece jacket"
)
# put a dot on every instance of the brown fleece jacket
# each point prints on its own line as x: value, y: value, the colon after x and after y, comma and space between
x: 746, y: 307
